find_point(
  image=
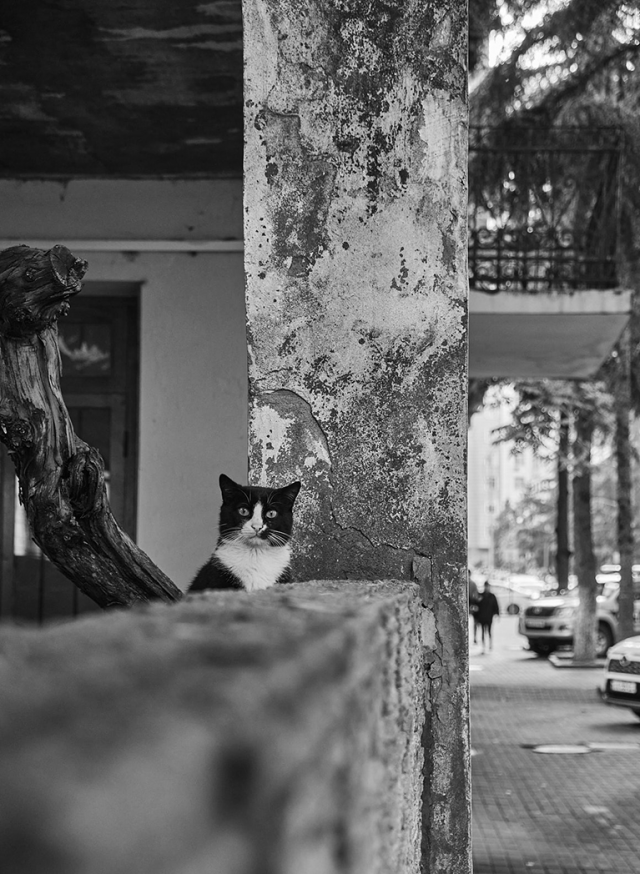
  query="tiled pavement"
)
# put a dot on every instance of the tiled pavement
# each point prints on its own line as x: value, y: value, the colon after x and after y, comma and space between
x: 536, y: 813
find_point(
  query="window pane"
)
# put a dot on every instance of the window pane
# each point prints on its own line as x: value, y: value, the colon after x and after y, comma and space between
x: 85, y: 348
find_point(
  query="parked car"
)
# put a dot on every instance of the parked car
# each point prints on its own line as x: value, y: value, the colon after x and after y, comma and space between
x: 510, y: 599
x: 620, y: 680
x: 548, y: 624
x: 516, y: 592
x: 527, y: 582
x: 513, y: 591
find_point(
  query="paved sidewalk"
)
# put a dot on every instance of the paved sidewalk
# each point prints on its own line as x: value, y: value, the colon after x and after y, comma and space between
x: 565, y: 813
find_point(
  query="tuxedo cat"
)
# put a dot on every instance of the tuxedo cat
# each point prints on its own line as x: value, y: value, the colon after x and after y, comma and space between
x: 253, y: 549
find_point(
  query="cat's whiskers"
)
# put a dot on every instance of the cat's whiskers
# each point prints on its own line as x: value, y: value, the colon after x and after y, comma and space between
x: 272, y: 537
x: 231, y: 536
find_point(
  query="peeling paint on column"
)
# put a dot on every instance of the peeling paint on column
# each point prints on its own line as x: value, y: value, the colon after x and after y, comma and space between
x: 284, y: 429
x: 355, y: 254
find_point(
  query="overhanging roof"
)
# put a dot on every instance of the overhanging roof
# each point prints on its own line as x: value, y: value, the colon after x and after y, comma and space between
x: 149, y: 89
x: 558, y: 335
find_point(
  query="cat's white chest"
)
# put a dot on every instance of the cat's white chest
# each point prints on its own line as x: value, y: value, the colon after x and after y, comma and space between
x: 257, y: 568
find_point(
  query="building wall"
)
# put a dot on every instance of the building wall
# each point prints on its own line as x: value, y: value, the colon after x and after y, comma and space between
x: 193, y: 397
x: 193, y: 384
x: 496, y: 476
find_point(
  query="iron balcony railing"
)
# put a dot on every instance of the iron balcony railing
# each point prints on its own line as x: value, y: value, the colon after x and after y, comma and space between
x: 543, y: 208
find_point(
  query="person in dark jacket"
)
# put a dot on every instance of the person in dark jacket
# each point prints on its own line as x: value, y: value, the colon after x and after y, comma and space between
x: 474, y: 600
x: 487, y: 609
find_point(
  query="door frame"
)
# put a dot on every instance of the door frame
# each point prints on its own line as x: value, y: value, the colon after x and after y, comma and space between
x: 120, y: 394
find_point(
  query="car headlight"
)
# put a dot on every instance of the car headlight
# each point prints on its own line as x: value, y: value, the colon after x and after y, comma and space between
x: 565, y: 612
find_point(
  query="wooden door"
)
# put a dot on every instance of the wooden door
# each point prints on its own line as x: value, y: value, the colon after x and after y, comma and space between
x: 99, y: 348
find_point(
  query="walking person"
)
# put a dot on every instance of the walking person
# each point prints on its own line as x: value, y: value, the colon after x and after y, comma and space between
x: 474, y: 600
x: 487, y: 609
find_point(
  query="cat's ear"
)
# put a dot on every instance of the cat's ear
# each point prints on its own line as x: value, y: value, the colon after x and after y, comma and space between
x: 290, y: 493
x: 227, y: 486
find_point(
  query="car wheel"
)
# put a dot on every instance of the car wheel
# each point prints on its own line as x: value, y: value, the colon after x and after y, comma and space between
x: 541, y: 647
x: 604, y: 639
x: 513, y: 609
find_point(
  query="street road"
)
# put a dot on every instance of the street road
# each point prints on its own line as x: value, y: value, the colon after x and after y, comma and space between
x: 570, y: 811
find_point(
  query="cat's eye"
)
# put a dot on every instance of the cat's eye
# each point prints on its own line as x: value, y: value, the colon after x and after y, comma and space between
x: 243, y: 511
x: 271, y: 514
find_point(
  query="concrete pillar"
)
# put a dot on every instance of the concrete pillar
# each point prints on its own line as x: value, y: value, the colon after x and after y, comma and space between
x: 355, y: 249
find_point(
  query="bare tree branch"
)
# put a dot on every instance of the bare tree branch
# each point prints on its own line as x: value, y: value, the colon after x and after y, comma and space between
x: 61, y: 478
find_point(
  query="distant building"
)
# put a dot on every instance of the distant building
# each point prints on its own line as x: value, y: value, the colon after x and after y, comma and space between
x: 496, y: 477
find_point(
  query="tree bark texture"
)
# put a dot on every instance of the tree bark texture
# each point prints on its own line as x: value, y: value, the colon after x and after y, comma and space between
x: 563, y: 553
x: 584, y: 635
x: 624, y: 489
x: 61, y: 478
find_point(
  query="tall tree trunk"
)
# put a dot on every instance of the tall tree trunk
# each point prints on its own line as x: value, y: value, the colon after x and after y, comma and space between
x: 61, y: 478
x: 563, y: 552
x: 624, y: 488
x: 584, y: 634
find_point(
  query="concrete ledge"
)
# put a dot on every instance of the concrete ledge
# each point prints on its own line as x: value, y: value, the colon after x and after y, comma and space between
x: 232, y: 733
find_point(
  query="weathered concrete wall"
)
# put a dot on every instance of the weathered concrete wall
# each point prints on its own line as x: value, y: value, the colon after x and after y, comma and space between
x: 355, y: 252
x: 355, y: 239
x: 272, y: 733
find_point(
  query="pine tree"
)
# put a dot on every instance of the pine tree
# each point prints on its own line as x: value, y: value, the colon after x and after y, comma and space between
x: 575, y: 63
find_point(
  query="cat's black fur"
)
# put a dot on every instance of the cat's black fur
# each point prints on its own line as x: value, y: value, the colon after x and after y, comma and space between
x: 247, y: 557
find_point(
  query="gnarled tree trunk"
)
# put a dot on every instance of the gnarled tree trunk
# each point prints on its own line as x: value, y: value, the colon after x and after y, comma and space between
x: 61, y: 478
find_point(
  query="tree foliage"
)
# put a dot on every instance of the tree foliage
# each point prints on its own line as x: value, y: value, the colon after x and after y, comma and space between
x: 548, y: 54
x: 555, y: 64
x: 568, y: 63
x: 524, y: 532
x: 541, y: 420
x: 540, y: 406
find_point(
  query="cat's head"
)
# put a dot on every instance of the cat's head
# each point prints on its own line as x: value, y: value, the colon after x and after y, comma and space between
x: 259, y: 517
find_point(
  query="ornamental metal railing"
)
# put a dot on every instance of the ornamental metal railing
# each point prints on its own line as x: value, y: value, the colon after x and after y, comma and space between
x: 543, y: 208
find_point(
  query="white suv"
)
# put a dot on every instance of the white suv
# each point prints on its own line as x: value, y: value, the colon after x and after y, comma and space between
x: 620, y: 681
x: 548, y: 623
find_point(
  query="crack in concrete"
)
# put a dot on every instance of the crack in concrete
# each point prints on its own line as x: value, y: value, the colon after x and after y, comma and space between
x: 298, y: 398
x: 372, y: 543
x: 268, y: 374
x: 435, y: 673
